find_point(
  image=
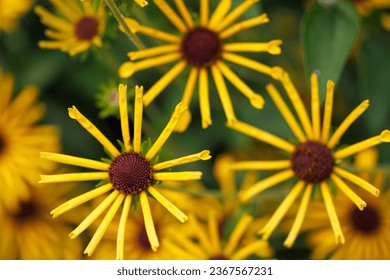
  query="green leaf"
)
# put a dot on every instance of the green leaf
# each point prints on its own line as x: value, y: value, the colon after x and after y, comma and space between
x: 327, y: 37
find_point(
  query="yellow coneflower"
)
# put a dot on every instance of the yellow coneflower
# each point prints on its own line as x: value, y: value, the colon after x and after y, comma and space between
x: 129, y: 176
x: 77, y: 27
x: 21, y: 140
x: 202, y: 47
x: 11, y: 11
x: 313, y: 162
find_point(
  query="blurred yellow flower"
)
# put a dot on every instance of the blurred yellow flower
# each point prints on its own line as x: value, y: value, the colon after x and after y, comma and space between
x: 202, y: 47
x: 11, y: 11
x: 77, y: 27
x: 21, y: 140
x: 365, y: 7
x: 128, y: 176
x: 313, y: 162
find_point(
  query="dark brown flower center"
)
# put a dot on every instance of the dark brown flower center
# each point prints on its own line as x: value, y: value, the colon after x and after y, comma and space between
x: 2, y: 144
x: 366, y: 221
x: 86, y: 28
x: 312, y: 162
x: 131, y: 173
x: 28, y: 210
x: 201, y: 47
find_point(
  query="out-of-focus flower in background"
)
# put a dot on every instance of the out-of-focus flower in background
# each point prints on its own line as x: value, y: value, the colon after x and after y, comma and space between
x: 11, y: 11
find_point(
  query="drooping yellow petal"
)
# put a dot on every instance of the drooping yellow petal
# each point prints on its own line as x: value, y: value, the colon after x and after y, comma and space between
x: 124, y: 114
x: 178, y: 176
x: 360, y: 203
x: 168, y: 205
x: 363, y: 145
x: 204, y: 101
x: 271, y: 47
x: 263, y: 136
x: 171, y: 15
x: 235, y: 14
x: 76, y: 161
x: 138, y: 112
x: 219, y: 12
x: 184, y: 13
x: 74, y: 177
x: 223, y: 94
x: 347, y: 123
x: 285, y: 112
x: 315, y: 107
x: 256, y: 100
x: 334, y: 221
x: 204, y: 12
x: 237, y: 234
x: 154, y: 51
x: 260, y: 165
x: 299, y: 218
x: 164, y: 81
x: 245, y: 24
x: 98, y: 235
x: 203, y: 155
x: 76, y: 115
x: 327, y: 112
x: 179, y: 110
x: 190, y: 85
x: 120, y: 241
x: 278, y: 215
x: 74, y: 202
x: 245, y: 195
x: 148, y: 220
x: 357, y: 180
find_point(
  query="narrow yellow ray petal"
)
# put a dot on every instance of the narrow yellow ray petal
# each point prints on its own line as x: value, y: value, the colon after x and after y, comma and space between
x: 219, y: 12
x: 363, y: 145
x: 203, y: 155
x: 214, y: 235
x: 124, y: 114
x: 94, y: 215
x: 178, y: 176
x: 74, y: 202
x: 272, y: 47
x: 347, y: 123
x: 328, y: 107
x: 76, y: 161
x: 245, y: 24
x: 357, y: 180
x: 98, y: 235
x: 138, y: 112
x: 279, y: 214
x: 51, y: 20
x: 74, y: 177
x: 141, y: 3
x: 179, y: 110
x: 66, y: 10
x: 84, y: 122
x: 148, y: 220
x: 299, y: 218
x: 187, y: 246
x: 199, y: 232
x: 235, y: 14
x: 204, y: 12
x: 120, y: 241
x: 263, y: 136
x: 245, y: 195
x: 204, y: 100
x: 297, y: 103
x: 252, y: 248
x: 168, y: 205
x: 190, y: 85
x: 223, y: 95
x: 260, y: 165
x: 164, y: 81
x: 256, y: 100
x: 334, y: 221
x: 360, y: 203
x: 151, y: 32
x: 127, y: 69
x: 237, y: 234
x: 7, y: 86
x: 315, y: 107
x: 154, y: 51
x: 184, y: 13
x: 286, y: 113
x: 171, y: 15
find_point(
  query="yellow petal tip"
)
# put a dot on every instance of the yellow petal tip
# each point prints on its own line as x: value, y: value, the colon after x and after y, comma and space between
x: 385, y: 136
x: 205, y: 155
x: 257, y: 101
x: 126, y: 70
x: 73, y: 113
x: 273, y: 47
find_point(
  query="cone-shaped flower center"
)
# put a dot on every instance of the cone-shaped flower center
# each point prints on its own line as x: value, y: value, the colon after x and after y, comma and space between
x: 201, y: 47
x: 130, y: 173
x: 86, y: 28
x: 366, y: 221
x: 312, y: 162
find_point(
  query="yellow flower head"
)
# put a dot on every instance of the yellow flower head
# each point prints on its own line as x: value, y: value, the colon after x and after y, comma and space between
x: 202, y: 47
x: 129, y: 175
x: 76, y: 29
x: 11, y: 11
x: 313, y: 162
x: 21, y: 140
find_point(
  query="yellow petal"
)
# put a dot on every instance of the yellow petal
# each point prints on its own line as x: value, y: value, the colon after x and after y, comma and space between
x: 245, y: 24
x: 184, y: 13
x: 74, y: 177
x: 150, y: 52
x: 204, y: 12
x: 327, y: 112
x: 204, y: 100
x: 257, y: 247
x: 148, y: 220
x: 237, y: 234
x: 190, y: 85
x: 171, y: 15
x: 235, y: 14
x: 120, y: 241
x: 219, y: 12
x: 178, y: 176
x: 214, y: 235
x: 124, y: 114
x: 76, y: 161
x: 260, y: 165
x: 360, y: 203
x: 272, y: 47
x: 138, y: 112
x: 142, y: 3
x: 315, y: 107
x: 203, y: 155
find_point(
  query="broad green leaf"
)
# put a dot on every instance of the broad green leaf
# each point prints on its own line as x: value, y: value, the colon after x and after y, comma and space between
x: 327, y: 37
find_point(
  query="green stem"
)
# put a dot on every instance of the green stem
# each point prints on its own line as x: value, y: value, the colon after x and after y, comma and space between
x: 119, y: 17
